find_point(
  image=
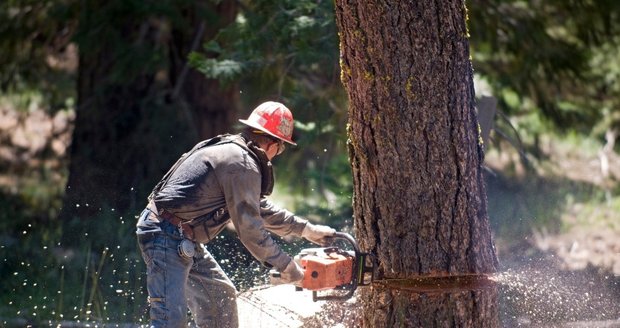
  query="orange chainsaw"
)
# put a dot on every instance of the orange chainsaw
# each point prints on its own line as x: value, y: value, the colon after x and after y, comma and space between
x: 333, y: 268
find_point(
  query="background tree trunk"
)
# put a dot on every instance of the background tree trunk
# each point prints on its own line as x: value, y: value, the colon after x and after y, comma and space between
x: 419, y: 199
x: 139, y: 104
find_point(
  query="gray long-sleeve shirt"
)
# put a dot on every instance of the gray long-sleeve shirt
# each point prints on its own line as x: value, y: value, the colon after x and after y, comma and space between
x: 228, y: 176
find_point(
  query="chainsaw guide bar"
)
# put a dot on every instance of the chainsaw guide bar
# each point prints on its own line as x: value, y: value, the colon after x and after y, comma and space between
x: 439, y: 284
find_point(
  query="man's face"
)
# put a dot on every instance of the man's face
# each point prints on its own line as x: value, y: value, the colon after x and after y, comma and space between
x: 274, y: 149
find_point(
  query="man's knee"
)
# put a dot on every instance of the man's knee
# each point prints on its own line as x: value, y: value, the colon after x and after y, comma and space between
x: 167, y: 315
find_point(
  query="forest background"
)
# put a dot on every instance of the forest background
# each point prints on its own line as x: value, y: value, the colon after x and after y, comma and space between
x: 99, y: 98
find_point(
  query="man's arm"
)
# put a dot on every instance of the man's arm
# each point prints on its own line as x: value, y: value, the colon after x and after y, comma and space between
x: 240, y: 182
x: 281, y: 221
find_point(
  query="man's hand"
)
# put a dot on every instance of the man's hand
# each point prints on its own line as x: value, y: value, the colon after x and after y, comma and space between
x: 292, y: 274
x: 318, y: 234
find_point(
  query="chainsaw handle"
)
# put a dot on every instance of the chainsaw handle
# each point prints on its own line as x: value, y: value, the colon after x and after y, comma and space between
x: 348, y: 238
x: 352, y: 286
x: 363, y: 267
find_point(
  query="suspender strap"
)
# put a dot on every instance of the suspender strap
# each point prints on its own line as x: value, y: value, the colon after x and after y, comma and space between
x: 198, y: 146
x: 267, y: 178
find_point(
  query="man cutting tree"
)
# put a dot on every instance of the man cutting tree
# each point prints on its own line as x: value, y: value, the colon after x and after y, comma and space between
x: 221, y: 180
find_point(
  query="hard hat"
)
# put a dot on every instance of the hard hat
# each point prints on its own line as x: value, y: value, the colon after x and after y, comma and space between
x: 274, y: 119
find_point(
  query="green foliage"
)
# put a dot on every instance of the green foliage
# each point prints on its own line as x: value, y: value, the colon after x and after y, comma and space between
x: 34, y: 48
x: 99, y: 280
x: 549, y: 54
x: 216, y: 69
x: 291, y: 55
x: 276, y: 54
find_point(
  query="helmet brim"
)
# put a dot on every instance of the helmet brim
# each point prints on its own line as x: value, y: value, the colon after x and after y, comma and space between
x: 259, y: 127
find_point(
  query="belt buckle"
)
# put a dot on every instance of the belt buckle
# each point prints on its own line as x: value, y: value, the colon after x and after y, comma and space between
x: 186, y: 234
x: 180, y: 228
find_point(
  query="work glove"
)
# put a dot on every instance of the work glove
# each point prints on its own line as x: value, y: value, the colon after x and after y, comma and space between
x: 292, y: 274
x: 318, y: 234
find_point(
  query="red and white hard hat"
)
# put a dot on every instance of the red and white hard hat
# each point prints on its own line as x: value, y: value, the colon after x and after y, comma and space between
x: 274, y: 119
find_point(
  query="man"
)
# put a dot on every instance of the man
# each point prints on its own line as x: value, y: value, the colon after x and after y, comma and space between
x: 221, y: 180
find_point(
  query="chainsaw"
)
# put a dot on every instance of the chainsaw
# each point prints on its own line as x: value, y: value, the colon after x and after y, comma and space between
x: 334, y: 269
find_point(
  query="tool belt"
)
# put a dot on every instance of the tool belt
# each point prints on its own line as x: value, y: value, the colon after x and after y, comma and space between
x: 207, y: 227
x: 176, y: 221
x: 199, y: 230
x: 188, y: 232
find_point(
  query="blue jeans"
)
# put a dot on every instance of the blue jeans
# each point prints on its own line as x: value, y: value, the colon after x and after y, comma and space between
x: 174, y: 282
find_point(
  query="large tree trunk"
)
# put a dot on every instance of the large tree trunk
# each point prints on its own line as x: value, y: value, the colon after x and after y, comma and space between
x: 139, y: 105
x: 419, y: 198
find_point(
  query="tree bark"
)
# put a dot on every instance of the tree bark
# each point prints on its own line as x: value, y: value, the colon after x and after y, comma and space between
x: 139, y: 105
x: 419, y: 199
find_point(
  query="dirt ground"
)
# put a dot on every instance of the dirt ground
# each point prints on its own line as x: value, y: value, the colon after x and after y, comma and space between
x: 581, y: 248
